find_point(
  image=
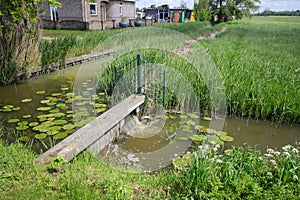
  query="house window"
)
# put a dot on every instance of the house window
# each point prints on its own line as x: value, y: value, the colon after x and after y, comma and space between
x: 53, y: 13
x: 93, y: 9
x: 121, y: 9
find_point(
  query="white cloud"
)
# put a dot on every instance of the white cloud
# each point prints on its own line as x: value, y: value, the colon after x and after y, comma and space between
x: 276, y: 5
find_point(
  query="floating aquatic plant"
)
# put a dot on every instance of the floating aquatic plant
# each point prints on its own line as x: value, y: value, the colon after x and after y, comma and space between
x: 23, y: 139
x: 206, y: 118
x: 13, y: 120
x: 40, y: 92
x: 40, y: 136
x: 198, y: 138
x: 68, y: 127
x: 43, y: 108
x: 226, y: 138
x: 26, y: 100
x: 61, y: 135
x: 26, y: 116
x: 32, y: 124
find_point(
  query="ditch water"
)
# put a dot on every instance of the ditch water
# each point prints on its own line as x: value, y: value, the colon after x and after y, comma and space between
x: 58, y: 96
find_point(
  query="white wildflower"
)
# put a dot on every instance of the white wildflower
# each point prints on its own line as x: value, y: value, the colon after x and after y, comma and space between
x: 269, y: 174
x: 294, y: 150
x: 287, y: 154
x: 277, y: 153
x: 218, y: 146
x: 273, y: 162
x: 260, y: 158
x: 269, y: 155
x: 269, y: 150
x: 219, y: 161
x: 287, y: 147
x: 295, y: 177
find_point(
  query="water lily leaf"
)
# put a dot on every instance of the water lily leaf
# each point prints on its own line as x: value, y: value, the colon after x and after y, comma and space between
x: 206, y: 118
x: 64, y: 88
x: 56, y: 110
x: 212, y: 131
x: 222, y: 133
x: 26, y: 116
x: 198, y: 138
x: 26, y: 100
x: 60, y: 122
x: 23, y: 139
x: 56, y: 94
x: 43, y: 108
x: 199, y: 127
x: 6, y: 110
x: 100, y: 110
x: 24, y: 123
x: 8, y: 107
x: 55, y: 128
x: 180, y: 163
x: 193, y: 116
x: 71, y: 94
x: 184, y: 117
x: 100, y: 105
x: 58, y: 115
x: 16, y: 108
x: 41, y: 92
x: 32, y: 124
x: 51, y: 132
x: 61, y: 135
x: 190, y: 123
x: 68, y: 127
x: 13, y: 120
x: 22, y: 128
x: 45, y: 101
x: 70, y: 112
x: 40, y: 136
x: 226, y: 138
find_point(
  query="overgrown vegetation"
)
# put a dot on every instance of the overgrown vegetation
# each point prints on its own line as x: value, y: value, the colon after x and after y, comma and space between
x: 19, y: 37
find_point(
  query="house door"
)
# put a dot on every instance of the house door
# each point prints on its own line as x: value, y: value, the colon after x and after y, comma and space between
x: 103, y: 12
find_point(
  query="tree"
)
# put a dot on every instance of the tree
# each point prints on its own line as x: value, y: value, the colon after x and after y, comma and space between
x: 19, y: 36
x: 202, y: 10
x: 226, y: 10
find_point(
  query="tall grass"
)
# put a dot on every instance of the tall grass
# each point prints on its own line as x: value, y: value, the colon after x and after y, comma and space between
x: 259, y: 61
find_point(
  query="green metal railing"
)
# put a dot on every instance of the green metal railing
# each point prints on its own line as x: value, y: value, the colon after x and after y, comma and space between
x: 144, y: 78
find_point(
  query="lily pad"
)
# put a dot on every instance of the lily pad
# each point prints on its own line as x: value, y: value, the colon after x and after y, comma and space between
x: 23, y: 139
x: 180, y: 163
x: 68, y: 127
x: 58, y: 115
x: 45, y: 101
x: 13, y: 120
x: 100, y: 105
x: 56, y: 94
x: 220, y: 133
x: 40, y: 136
x: 226, y: 138
x: 60, y: 122
x: 8, y: 107
x: 26, y: 100
x: 64, y: 89
x: 43, y: 108
x: 100, y: 110
x: 193, y: 116
x: 206, y: 118
x: 32, y: 124
x: 22, y: 127
x: 61, y: 135
x: 41, y: 92
x: 16, y: 108
x: 26, y: 116
x: 51, y: 132
x: 198, y: 138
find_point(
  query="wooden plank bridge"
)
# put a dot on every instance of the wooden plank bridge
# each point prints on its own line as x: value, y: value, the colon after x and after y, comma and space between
x: 99, y: 131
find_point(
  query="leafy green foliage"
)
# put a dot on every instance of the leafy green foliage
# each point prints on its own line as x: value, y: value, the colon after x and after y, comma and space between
x: 202, y: 10
x: 18, y: 36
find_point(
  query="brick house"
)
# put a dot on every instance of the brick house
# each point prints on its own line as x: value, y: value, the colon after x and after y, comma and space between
x: 84, y: 14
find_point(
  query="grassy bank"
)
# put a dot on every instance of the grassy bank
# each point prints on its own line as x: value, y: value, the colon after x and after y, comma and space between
x: 243, y: 174
x: 259, y: 62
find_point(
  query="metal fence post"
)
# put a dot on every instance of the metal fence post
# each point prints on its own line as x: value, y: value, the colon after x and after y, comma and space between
x: 139, y: 74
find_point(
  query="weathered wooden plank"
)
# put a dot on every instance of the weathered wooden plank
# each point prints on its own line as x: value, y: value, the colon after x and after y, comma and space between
x: 91, y: 132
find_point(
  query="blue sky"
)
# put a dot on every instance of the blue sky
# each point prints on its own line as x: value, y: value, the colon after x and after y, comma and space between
x: 277, y: 5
